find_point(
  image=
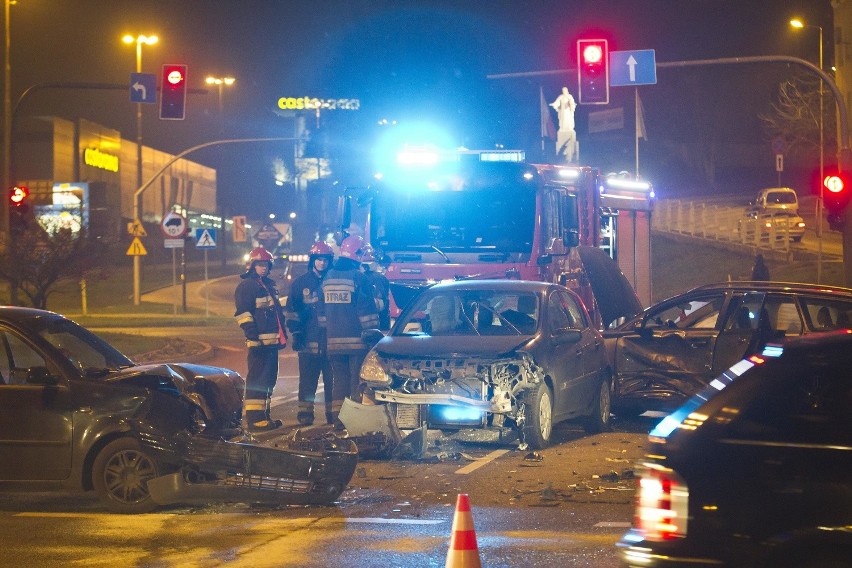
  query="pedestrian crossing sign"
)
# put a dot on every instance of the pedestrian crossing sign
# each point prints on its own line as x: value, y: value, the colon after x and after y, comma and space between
x: 205, y: 238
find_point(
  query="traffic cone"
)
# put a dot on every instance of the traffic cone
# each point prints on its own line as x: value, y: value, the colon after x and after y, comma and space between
x: 463, y: 551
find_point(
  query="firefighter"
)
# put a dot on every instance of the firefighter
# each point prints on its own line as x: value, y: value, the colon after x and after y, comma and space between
x: 259, y: 314
x: 308, y: 337
x: 348, y: 308
x: 380, y: 284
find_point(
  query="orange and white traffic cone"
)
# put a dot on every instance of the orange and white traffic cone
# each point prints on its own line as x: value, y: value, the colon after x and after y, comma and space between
x: 463, y: 551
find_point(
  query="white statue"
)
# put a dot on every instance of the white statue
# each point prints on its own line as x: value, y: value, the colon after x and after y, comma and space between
x: 566, y: 136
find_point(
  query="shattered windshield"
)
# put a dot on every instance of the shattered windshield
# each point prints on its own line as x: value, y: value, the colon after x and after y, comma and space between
x: 456, y: 221
x: 83, y: 349
x: 472, y: 313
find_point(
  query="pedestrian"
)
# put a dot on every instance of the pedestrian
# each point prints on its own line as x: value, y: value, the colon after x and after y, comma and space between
x: 308, y: 336
x: 380, y: 284
x: 759, y: 271
x: 259, y: 314
x: 347, y: 306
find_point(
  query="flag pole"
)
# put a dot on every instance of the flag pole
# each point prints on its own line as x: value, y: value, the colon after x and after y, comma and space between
x: 636, y: 137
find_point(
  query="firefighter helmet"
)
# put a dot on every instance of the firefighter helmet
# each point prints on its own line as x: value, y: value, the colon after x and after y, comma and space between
x: 351, y: 248
x: 258, y: 254
x: 320, y: 248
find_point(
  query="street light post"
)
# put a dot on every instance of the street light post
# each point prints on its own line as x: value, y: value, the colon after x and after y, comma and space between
x: 820, y: 200
x: 221, y: 82
x: 138, y: 40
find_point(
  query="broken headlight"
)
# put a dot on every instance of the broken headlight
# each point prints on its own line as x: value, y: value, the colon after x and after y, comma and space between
x: 372, y: 371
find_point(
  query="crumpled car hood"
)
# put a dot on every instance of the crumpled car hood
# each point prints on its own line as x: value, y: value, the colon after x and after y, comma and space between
x: 216, y: 390
x: 424, y: 346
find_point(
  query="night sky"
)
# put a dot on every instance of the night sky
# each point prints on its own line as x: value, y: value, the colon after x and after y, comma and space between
x: 404, y: 60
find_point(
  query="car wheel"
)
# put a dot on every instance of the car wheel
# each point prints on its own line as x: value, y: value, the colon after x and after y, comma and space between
x: 598, y: 420
x: 538, y: 416
x: 120, y: 476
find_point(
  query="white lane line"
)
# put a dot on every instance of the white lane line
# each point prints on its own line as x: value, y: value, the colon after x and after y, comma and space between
x: 381, y: 521
x: 613, y: 525
x: 481, y: 462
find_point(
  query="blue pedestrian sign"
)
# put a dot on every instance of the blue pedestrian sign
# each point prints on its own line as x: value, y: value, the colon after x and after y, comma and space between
x: 205, y: 238
x: 143, y: 88
x: 630, y: 68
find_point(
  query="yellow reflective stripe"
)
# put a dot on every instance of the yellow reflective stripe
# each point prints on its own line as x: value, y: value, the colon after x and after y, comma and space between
x: 254, y: 404
x: 252, y: 343
x: 339, y: 284
x: 264, y: 302
x: 244, y: 317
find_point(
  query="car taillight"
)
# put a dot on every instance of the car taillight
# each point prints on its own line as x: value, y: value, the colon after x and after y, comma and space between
x: 662, y: 504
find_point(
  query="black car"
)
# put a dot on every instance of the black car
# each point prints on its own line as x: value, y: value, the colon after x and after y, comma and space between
x: 671, y: 350
x: 754, y: 471
x: 76, y: 413
x: 492, y: 354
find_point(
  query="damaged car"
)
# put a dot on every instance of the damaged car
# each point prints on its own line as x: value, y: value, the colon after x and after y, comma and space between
x: 75, y: 413
x: 492, y: 354
x: 672, y: 350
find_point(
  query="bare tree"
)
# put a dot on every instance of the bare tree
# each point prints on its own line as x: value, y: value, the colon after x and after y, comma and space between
x: 36, y: 260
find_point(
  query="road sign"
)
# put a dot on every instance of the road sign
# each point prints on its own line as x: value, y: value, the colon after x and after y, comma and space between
x: 779, y: 145
x: 239, y: 228
x: 205, y: 238
x: 268, y: 233
x: 173, y: 243
x: 174, y: 225
x: 143, y: 88
x: 136, y: 248
x: 630, y: 68
x: 136, y: 229
x: 779, y: 162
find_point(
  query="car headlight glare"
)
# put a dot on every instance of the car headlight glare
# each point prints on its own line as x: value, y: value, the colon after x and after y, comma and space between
x: 372, y: 371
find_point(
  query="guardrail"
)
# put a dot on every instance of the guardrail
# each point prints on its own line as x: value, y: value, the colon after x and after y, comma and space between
x: 719, y: 223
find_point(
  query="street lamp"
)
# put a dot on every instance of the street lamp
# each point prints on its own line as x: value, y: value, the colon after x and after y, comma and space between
x: 138, y: 40
x: 799, y: 24
x: 221, y: 82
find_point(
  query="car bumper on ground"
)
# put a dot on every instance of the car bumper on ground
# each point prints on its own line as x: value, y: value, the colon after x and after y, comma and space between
x: 637, y: 553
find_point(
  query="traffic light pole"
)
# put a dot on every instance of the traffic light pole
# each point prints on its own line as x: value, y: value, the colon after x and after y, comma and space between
x: 137, y: 195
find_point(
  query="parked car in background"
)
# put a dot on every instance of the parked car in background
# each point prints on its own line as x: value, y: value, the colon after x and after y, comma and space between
x: 754, y: 470
x: 77, y: 414
x: 776, y: 199
x: 482, y: 354
x: 757, y: 226
x: 673, y: 349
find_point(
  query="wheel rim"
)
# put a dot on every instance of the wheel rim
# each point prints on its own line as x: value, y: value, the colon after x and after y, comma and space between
x: 545, y: 422
x: 604, y: 402
x: 126, y: 476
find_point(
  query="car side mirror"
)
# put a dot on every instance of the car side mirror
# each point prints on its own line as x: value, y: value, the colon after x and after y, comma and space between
x: 563, y: 336
x: 372, y: 336
x: 40, y: 376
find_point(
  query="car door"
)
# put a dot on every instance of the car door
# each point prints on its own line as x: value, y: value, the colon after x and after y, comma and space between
x: 669, y: 352
x: 576, y: 363
x: 35, y: 419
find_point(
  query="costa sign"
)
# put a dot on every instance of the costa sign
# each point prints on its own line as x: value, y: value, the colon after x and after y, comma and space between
x: 311, y: 103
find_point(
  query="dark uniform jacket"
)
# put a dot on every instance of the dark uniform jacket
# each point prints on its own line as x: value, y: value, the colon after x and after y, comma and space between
x: 348, y: 307
x: 259, y: 311
x: 302, y: 312
x: 381, y: 292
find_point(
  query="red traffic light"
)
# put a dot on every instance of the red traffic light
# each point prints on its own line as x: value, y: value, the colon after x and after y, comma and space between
x: 592, y: 71
x: 173, y: 96
x: 18, y: 194
x: 833, y: 183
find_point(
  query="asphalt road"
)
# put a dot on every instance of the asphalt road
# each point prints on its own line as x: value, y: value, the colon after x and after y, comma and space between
x: 566, y: 505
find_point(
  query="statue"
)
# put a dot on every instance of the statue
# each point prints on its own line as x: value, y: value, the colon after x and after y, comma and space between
x: 566, y: 137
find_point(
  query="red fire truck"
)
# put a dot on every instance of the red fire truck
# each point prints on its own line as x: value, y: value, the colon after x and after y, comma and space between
x: 486, y: 214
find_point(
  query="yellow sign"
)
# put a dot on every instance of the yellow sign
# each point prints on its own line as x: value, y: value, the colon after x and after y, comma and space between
x: 239, y: 228
x: 302, y: 103
x: 136, y: 248
x: 136, y: 229
x: 97, y: 159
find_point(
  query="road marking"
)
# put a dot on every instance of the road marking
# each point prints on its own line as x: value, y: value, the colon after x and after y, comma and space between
x: 613, y: 525
x: 382, y: 521
x: 481, y: 462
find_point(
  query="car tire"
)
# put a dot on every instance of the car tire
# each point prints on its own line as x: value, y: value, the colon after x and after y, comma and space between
x: 538, y: 416
x: 120, y: 476
x: 598, y: 421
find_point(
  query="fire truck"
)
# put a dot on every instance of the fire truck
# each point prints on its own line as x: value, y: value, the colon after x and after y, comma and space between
x: 482, y: 214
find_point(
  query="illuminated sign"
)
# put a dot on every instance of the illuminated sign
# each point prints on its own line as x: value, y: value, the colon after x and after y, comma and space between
x: 311, y: 103
x: 97, y: 159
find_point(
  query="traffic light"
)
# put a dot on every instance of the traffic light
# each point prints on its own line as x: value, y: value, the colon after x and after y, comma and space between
x: 835, y: 195
x: 18, y: 195
x: 592, y: 72
x: 173, y: 95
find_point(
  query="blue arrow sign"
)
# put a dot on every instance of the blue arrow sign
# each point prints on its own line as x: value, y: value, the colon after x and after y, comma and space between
x: 143, y: 88
x: 630, y: 68
x: 205, y: 238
